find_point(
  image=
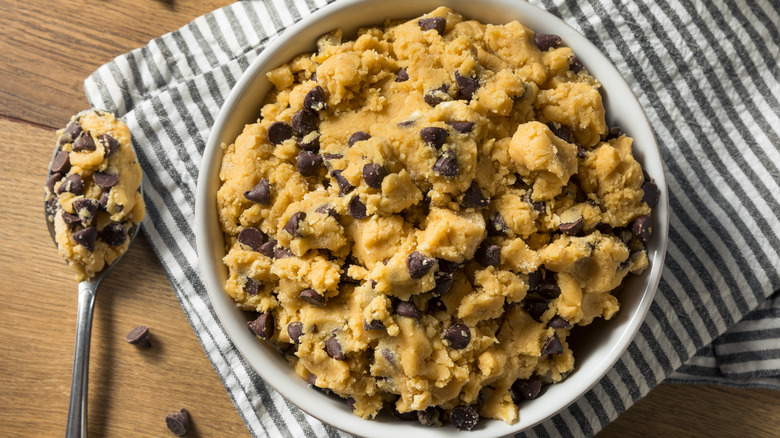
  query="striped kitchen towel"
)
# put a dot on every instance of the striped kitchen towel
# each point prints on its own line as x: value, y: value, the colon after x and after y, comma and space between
x: 706, y: 73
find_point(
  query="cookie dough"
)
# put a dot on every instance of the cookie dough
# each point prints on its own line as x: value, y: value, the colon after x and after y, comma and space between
x: 423, y: 213
x: 92, y: 195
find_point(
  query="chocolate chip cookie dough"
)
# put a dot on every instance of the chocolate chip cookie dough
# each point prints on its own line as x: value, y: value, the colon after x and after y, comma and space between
x: 92, y: 195
x: 422, y: 215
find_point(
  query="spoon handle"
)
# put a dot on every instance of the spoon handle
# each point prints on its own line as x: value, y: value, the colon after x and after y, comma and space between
x: 77, y: 409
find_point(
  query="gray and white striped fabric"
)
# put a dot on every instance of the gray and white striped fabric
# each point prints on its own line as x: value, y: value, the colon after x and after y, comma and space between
x: 706, y: 73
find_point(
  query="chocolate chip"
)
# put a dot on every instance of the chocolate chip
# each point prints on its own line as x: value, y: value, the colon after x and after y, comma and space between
x: 351, y: 403
x: 105, y: 180
x: 84, y: 143
x: 435, y: 304
x: 575, y: 64
x: 558, y: 323
x: 139, y: 336
x: 405, y: 123
x: 473, y: 197
x: 458, y: 336
x: 327, y: 209
x: 419, y: 264
x: 374, y: 324
x: 356, y: 208
x: 178, y: 421
x: 538, y: 206
x: 73, y: 184
x: 467, y: 86
x: 406, y: 309
x: 443, y: 283
x: 401, y: 75
x: 293, y: 224
x: 312, y: 297
x: 403, y: 416
x: 373, y: 174
x: 308, y: 163
x: 535, y: 279
x: 61, y: 162
x: 313, y: 76
x: 488, y: 254
x: 114, y: 234
x: 437, y: 96
x: 70, y: 219
x: 53, y: 179
x: 251, y: 287
x: 436, y: 23
x: 51, y: 207
x: 110, y: 144
x: 268, y: 248
x: 358, y: 136
x: 572, y: 228
x: 315, y: 99
x: 433, y: 416
x: 553, y: 345
x: 344, y: 186
x: 434, y: 136
x: 526, y: 389
x: 497, y: 225
x: 447, y: 165
x: 548, y: 288
x: 305, y: 121
x: 650, y: 193
x: 447, y: 266
x: 85, y: 207
x: 263, y: 326
x: 312, y: 379
x: 86, y: 238
x: 464, y: 417
x: 615, y: 132
x: 72, y: 131
x: 642, y: 228
x: 536, y: 307
x: 561, y: 131
x: 312, y: 145
x: 332, y: 156
x: 333, y: 348
x: 261, y: 193
x: 545, y: 41
x: 462, y: 127
x: 389, y: 356
x: 295, y: 330
x: 281, y: 252
x: 278, y: 132
x: 103, y: 201
x: 252, y: 237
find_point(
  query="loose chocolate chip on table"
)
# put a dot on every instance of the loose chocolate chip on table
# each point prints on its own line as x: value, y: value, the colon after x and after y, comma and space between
x: 437, y: 96
x: 433, y: 416
x: 437, y: 23
x: 473, y: 197
x: 73, y: 184
x: 642, y: 228
x: 312, y: 297
x: 488, y: 254
x: 305, y: 121
x: 536, y: 307
x: 358, y: 136
x: 295, y: 330
x: 419, y: 264
x: 435, y: 304
x: 86, y: 238
x: 260, y: 193
x: 114, y: 234
x: 464, y: 417
x: 293, y: 225
x: 281, y: 252
x: 267, y: 249
x: 374, y: 324
x: 571, y: 228
x: 458, y: 336
x: 406, y: 309
x: 344, y: 186
x: 650, y: 193
x: 557, y: 322
x: 310, y: 144
x: 308, y: 163
x: 544, y: 41
x: 70, y: 219
x: 434, y: 136
x: 251, y: 287
x: 178, y: 422
x: 139, y: 336
x: 462, y: 127
x: 84, y: 143
x: 263, y: 326
x: 72, y: 131
x: 561, y: 131
x: 497, y: 225
x: 110, y: 144
x: 315, y: 99
x: 447, y: 165
x: 401, y: 75
x: 575, y: 64
x: 252, y: 237
x: 103, y: 201
x: 333, y: 348
x: 373, y: 174
x: 553, y: 345
x: 105, y: 180
x: 526, y: 389
x: 356, y: 208
x: 467, y: 86
x: 61, y: 162
x: 278, y: 132
x: 548, y: 288
x: 443, y: 283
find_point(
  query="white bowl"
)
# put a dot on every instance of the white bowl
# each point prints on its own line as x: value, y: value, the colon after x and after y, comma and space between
x: 595, y: 353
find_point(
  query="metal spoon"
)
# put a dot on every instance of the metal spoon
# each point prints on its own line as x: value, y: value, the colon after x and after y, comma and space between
x: 77, y: 408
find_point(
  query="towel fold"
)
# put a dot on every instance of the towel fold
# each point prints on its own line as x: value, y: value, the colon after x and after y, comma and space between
x: 706, y: 73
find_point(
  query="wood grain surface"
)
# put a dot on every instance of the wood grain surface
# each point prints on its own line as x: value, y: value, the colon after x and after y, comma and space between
x: 48, y: 48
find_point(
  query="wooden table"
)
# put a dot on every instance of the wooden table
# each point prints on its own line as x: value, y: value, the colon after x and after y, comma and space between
x: 47, y: 49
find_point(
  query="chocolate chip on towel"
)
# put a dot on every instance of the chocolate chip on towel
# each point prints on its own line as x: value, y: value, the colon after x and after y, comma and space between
x: 86, y: 238
x: 315, y: 99
x: 72, y: 184
x: 263, y: 326
x: 114, y: 234
x: 308, y: 163
x: 333, y: 348
x: 278, y: 132
x: 447, y: 165
x: 419, y: 264
x: 434, y: 136
x: 553, y: 345
x: 105, y: 180
x: 292, y: 225
x: 544, y: 41
x: 178, y: 422
x: 61, y: 162
x: 84, y: 143
x: 473, y: 197
x: 305, y: 121
x: 642, y: 228
x: 526, y: 389
x: 252, y: 237
x: 458, y: 336
x: 464, y: 417
x: 356, y: 208
x: 437, y: 23
x: 312, y: 297
x: 406, y: 309
x: 294, y: 331
x: 373, y: 174
x: 110, y: 144
x: 139, y: 336
x: 261, y: 193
